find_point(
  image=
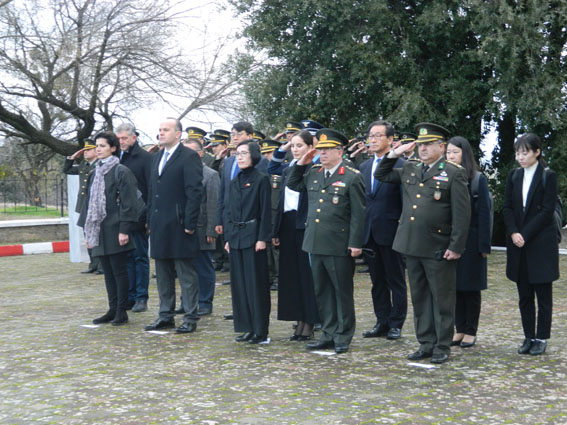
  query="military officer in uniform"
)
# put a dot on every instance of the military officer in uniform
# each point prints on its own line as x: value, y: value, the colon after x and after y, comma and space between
x: 431, y: 234
x: 198, y: 134
x: 405, y: 138
x: 82, y: 170
x: 333, y: 234
x: 267, y: 148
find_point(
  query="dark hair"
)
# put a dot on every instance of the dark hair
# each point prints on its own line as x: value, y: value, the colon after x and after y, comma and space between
x: 530, y: 142
x: 305, y: 136
x: 255, y: 154
x: 243, y: 126
x: 389, y: 127
x: 111, y: 139
x: 467, y: 159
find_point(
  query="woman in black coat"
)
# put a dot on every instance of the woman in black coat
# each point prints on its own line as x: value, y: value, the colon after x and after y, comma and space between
x: 532, y: 259
x: 109, y: 214
x: 247, y: 230
x: 296, y: 294
x: 471, y: 267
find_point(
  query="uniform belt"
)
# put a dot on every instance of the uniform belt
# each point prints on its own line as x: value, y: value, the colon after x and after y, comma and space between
x: 242, y: 224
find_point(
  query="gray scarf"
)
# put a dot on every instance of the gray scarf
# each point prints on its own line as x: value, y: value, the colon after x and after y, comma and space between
x: 97, y: 201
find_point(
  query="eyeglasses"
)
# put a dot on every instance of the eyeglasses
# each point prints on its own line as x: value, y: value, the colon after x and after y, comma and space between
x: 236, y: 133
x: 237, y: 154
x: 375, y: 136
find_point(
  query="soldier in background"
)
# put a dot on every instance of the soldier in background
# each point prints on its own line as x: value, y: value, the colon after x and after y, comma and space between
x: 82, y: 169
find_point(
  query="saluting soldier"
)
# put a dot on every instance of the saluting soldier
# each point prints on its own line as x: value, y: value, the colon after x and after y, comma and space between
x: 432, y: 234
x: 198, y: 134
x: 405, y: 138
x: 83, y: 169
x: 333, y: 234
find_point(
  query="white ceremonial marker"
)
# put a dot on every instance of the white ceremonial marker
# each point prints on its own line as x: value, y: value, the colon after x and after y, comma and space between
x: 90, y: 326
x: 424, y: 366
x: 158, y: 332
x: 324, y: 353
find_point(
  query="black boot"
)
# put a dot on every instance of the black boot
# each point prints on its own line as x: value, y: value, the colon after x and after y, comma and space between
x: 121, y: 318
x: 109, y: 315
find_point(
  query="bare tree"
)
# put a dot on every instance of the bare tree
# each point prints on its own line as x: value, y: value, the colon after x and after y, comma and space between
x: 71, y: 67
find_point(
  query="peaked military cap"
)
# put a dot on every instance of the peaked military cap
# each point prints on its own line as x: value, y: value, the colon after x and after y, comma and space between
x: 258, y: 135
x: 429, y: 132
x: 329, y: 138
x: 195, y: 133
x: 311, y: 126
x: 217, y: 139
x: 406, y: 137
x: 267, y: 146
x: 220, y: 132
x: 89, y: 144
x: 292, y: 126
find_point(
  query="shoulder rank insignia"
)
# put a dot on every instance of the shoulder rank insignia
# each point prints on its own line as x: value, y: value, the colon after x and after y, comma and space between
x: 455, y: 164
x: 341, y: 171
x: 354, y: 170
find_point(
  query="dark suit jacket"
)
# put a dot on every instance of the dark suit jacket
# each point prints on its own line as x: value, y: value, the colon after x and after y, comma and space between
x: 535, y: 224
x: 301, y: 216
x: 249, y: 211
x: 139, y: 161
x: 207, y: 216
x: 174, y: 202
x: 121, y: 213
x: 383, y: 207
x: 225, y: 185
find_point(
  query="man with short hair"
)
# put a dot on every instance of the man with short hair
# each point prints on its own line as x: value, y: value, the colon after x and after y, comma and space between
x: 386, y: 266
x: 139, y: 162
x: 174, y: 202
x: 206, y: 233
x: 83, y: 169
x: 432, y: 233
x: 333, y: 234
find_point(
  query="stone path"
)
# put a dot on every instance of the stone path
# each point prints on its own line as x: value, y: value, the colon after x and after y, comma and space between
x: 54, y: 371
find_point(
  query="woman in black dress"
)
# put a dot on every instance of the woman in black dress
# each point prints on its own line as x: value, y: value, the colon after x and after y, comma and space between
x: 247, y: 230
x: 109, y: 214
x: 532, y: 256
x: 471, y: 267
x: 296, y: 295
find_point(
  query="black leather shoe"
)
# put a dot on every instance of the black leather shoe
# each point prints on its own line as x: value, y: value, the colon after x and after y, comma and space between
x: 468, y: 344
x: 341, y: 348
x: 107, y: 317
x: 538, y: 347
x: 257, y: 339
x: 228, y: 317
x: 120, y: 319
x: 304, y: 337
x: 394, y: 333
x: 455, y: 343
x: 179, y: 311
x: 376, y: 331
x: 439, y: 358
x: 160, y: 324
x: 99, y: 272
x: 186, y: 328
x: 88, y: 271
x: 130, y: 304
x: 318, y: 345
x: 141, y: 305
x: 419, y: 355
x: 525, y: 347
x: 316, y: 327
x: 294, y: 337
x: 226, y: 282
x: 204, y: 312
x: 244, y: 337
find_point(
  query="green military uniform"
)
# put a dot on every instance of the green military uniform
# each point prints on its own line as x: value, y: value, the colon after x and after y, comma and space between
x: 208, y: 159
x: 335, y: 222
x: 435, y: 218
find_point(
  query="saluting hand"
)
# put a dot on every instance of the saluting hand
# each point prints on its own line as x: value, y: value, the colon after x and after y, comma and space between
x: 285, y: 147
x: 307, y: 158
x: 401, y: 149
x: 77, y: 154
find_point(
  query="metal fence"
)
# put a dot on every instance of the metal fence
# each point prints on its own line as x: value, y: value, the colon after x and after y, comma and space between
x: 47, y: 195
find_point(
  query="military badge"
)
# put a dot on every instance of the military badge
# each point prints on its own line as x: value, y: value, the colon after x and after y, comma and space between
x: 423, y: 131
x: 323, y: 138
x: 437, y: 195
x: 335, y: 200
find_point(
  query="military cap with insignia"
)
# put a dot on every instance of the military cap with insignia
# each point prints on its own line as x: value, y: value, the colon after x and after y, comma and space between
x: 220, y: 132
x: 429, y: 132
x: 329, y: 138
x: 217, y: 139
x: 311, y: 126
x: 195, y: 133
x: 406, y: 137
x: 267, y: 146
x: 396, y: 136
x: 88, y: 144
x: 258, y: 135
x: 292, y: 126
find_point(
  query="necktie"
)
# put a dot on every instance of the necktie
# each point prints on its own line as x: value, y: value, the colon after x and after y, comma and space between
x: 165, y: 156
x: 425, y: 168
x: 235, y: 170
x: 327, y: 175
x: 374, y: 181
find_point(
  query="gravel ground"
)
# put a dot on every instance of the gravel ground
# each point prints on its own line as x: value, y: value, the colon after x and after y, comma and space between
x: 55, y: 371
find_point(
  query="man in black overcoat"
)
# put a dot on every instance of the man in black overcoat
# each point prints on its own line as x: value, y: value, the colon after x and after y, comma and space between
x: 174, y: 201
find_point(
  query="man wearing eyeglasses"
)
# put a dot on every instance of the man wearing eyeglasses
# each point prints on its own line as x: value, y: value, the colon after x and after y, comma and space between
x: 386, y: 266
x: 432, y: 234
x: 333, y: 234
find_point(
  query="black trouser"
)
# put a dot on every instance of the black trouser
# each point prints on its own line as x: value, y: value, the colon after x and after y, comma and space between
x: 527, y: 292
x: 115, y: 268
x: 467, y: 312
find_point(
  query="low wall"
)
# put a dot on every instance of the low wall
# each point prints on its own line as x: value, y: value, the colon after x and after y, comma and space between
x: 37, y: 230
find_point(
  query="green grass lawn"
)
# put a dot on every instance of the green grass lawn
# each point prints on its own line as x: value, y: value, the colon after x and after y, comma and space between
x: 22, y: 212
